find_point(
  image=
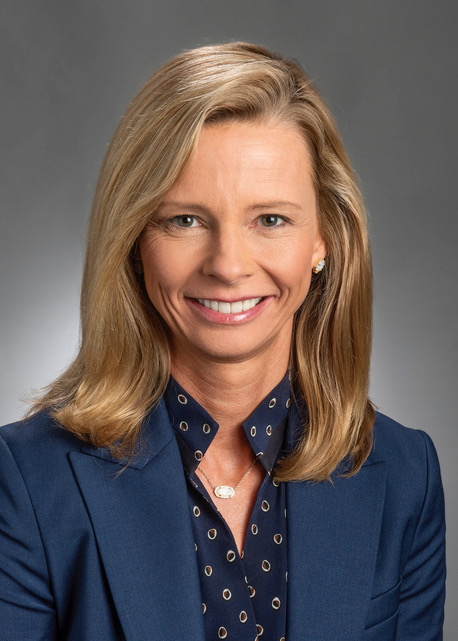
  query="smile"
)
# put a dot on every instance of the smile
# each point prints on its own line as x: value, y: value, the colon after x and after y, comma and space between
x: 237, y: 307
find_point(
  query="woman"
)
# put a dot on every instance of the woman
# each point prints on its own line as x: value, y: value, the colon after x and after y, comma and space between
x: 210, y: 466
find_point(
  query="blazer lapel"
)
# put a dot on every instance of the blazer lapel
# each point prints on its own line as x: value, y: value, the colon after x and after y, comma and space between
x: 141, y: 521
x: 333, y: 532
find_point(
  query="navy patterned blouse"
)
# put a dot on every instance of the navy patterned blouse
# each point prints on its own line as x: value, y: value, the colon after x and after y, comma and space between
x: 243, y: 596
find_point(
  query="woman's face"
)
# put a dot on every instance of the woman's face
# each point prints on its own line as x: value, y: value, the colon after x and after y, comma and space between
x: 228, y: 256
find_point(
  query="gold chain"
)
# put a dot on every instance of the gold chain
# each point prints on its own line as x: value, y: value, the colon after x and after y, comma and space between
x: 228, y: 489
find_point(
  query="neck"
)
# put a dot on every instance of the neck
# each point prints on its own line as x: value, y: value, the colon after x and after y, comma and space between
x: 230, y: 391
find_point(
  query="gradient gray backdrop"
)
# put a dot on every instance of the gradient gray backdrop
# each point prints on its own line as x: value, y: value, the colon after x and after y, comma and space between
x: 388, y: 70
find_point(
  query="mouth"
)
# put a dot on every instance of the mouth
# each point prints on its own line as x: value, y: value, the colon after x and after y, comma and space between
x: 223, y: 307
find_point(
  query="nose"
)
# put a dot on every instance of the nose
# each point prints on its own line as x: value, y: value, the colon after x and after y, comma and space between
x: 229, y: 256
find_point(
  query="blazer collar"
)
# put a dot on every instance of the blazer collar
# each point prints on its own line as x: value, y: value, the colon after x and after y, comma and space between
x: 142, y: 525
x: 156, y: 433
x: 298, y: 413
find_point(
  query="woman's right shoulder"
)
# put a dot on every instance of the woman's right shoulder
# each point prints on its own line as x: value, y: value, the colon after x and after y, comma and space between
x: 38, y: 437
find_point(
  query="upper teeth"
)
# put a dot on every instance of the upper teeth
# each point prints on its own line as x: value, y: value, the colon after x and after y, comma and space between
x: 230, y: 308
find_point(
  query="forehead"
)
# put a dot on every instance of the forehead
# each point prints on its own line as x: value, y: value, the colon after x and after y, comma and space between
x: 247, y: 159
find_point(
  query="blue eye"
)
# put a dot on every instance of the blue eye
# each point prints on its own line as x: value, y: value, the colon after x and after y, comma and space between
x: 185, y: 221
x: 271, y: 220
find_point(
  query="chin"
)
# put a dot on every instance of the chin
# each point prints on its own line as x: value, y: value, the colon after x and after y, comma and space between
x: 231, y: 350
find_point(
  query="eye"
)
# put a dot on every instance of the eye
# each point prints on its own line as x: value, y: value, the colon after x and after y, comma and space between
x: 185, y: 221
x: 272, y: 220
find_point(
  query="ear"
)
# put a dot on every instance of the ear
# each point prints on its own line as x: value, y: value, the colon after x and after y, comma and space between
x: 319, y: 251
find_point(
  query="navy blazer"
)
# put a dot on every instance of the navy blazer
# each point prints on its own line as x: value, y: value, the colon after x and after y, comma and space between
x: 92, y: 552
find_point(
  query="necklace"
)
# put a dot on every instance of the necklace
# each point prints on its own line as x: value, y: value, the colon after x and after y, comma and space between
x: 227, y: 491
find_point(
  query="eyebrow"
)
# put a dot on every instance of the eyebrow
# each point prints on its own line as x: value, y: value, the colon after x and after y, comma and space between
x: 197, y: 208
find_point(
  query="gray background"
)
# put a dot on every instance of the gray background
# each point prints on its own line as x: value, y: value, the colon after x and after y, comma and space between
x: 388, y: 70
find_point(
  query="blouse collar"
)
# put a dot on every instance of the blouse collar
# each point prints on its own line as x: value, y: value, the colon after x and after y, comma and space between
x: 265, y: 427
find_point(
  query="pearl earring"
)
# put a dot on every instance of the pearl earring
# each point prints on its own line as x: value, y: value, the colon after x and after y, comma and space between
x: 319, y: 266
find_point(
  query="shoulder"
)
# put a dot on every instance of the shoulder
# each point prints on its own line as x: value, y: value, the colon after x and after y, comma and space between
x: 42, y: 442
x: 36, y: 450
x: 399, y: 445
x: 412, y: 466
x: 38, y: 434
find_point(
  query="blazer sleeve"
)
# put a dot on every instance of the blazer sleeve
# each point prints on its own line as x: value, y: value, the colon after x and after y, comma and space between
x: 423, y: 580
x: 26, y: 603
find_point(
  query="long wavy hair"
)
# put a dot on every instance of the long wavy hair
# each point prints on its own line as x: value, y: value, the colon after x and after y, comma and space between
x: 123, y: 363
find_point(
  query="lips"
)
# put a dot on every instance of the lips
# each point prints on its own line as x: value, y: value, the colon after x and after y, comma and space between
x: 223, y: 307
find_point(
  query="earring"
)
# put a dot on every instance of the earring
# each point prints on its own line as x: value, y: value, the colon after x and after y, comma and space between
x: 319, y: 266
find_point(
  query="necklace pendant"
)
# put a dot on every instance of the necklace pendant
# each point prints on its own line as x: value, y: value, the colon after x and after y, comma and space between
x: 224, y: 491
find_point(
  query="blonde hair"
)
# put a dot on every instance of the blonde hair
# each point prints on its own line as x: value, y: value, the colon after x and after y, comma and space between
x: 123, y: 363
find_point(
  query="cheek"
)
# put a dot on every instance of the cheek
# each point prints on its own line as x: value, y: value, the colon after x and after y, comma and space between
x: 294, y: 268
x: 154, y: 266
x: 165, y: 269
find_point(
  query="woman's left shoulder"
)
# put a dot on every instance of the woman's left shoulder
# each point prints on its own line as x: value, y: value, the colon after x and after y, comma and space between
x: 409, y: 453
x: 391, y: 440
